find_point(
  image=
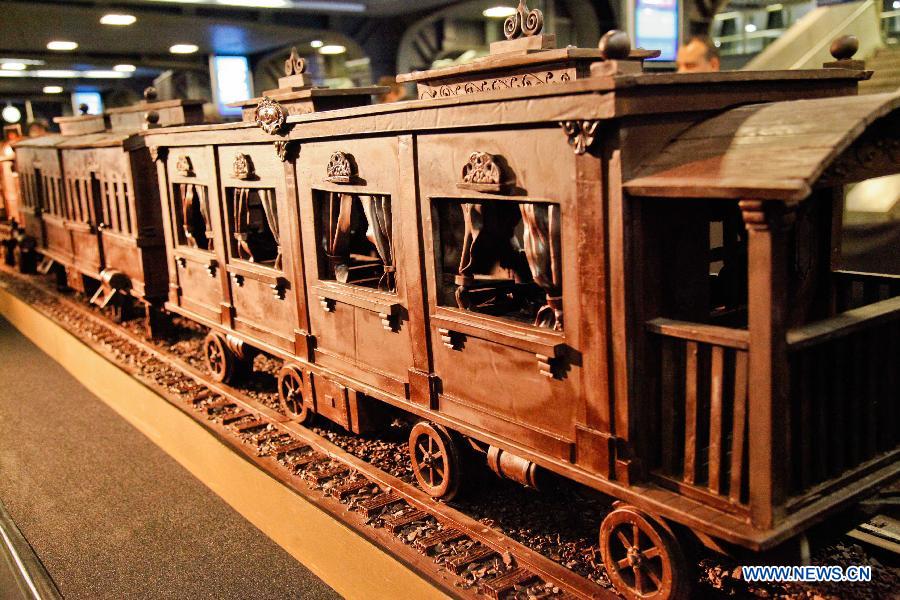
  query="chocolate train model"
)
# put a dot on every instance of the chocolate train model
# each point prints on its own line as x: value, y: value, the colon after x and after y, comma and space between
x: 520, y: 260
x: 91, y: 201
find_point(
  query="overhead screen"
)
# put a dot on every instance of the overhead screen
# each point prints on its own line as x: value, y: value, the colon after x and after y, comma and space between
x: 656, y: 26
x: 232, y: 82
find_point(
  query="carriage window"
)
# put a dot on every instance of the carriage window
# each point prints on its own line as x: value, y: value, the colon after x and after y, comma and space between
x: 253, y: 219
x: 355, y: 239
x: 192, y: 216
x: 502, y: 259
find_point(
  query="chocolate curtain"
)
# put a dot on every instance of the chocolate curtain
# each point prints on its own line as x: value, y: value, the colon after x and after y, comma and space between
x: 542, y: 249
x: 267, y: 197
x: 338, y: 228
x: 378, y: 213
x: 242, y: 223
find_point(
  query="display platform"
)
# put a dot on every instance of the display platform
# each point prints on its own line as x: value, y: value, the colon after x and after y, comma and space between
x: 120, y: 493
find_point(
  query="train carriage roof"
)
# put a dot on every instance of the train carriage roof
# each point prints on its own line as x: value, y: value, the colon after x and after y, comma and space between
x: 777, y: 151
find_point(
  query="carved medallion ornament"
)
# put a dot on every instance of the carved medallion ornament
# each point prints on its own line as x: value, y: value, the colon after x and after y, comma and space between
x: 241, y: 168
x: 524, y: 23
x: 158, y: 153
x: 581, y: 134
x: 184, y: 167
x: 481, y: 173
x: 340, y: 168
x: 269, y: 115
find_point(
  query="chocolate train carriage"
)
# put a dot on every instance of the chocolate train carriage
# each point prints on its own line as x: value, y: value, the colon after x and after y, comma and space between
x: 91, y: 201
x: 569, y: 264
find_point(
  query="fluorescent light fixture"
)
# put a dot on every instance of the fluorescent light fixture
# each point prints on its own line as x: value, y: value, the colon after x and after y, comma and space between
x: 749, y: 27
x: 56, y: 73
x: 317, y: 43
x: 183, y: 49
x: 775, y: 7
x: 332, y: 49
x: 11, y: 74
x: 11, y: 114
x: 254, y: 3
x: 113, y: 19
x: 61, y: 45
x: 125, y: 68
x: 14, y: 66
x: 99, y: 74
x: 53, y: 89
x: 499, y: 12
x: 896, y: 4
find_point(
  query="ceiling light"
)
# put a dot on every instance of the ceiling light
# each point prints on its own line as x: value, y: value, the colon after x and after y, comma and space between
x: 254, y: 3
x: 125, y: 68
x: 14, y: 66
x: 53, y: 89
x: 11, y: 114
x: 896, y: 4
x: 98, y: 74
x: 11, y: 74
x: 56, y: 73
x: 61, y: 45
x: 749, y: 27
x: 332, y: 49
x: 317, y: 43
x: 113, y: 19
x: 183, y: 49
x: 499, y: 12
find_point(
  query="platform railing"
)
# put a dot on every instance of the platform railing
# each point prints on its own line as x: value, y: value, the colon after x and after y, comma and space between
x: 844, y: 391
x: 702, y: 409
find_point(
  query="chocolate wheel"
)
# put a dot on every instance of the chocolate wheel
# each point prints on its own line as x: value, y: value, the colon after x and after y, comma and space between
x: 292, y: 393
x: 436, y: 460
x: 643, y: 561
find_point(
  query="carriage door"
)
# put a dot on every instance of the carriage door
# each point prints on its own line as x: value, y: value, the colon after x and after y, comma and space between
x: 262, y: 297
x: 352, y: 216
x: 499, y: 226
x: 195, y: 279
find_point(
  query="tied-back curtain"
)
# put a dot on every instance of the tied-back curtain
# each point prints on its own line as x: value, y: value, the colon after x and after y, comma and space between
x: 473, y: 224
x: 267, y: 197
x: 378, y: 213
x: 204, y: 212
x: 242, y: 223
x: 542, y: 249
x: 340, y: 207
x: 188, y: 195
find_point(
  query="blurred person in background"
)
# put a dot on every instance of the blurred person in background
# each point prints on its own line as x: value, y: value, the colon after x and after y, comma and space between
x: 699, y: 55
x: 38, y: 128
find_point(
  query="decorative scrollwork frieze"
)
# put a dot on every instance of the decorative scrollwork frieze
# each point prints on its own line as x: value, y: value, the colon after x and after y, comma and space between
x: 242, y: 167
x: 524, y: 23
x: 340, y: 168
x: 872, y: 155
x: 498, y: 83
x: 581, y: 134
x: 269, y: 116
x: 184, y: 167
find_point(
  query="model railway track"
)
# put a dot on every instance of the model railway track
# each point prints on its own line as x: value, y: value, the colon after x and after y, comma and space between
x: 457, y: 553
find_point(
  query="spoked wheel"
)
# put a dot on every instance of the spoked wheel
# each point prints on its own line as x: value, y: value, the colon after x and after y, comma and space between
x: 642, y: 559
x: 436, y: 459
x: 220, y: 359
x: 292, y: 392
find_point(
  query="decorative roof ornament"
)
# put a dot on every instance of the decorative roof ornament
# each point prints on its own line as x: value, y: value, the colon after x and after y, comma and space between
x: 295, y: 64
x: 525, y: 23
x: 269, y: 115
